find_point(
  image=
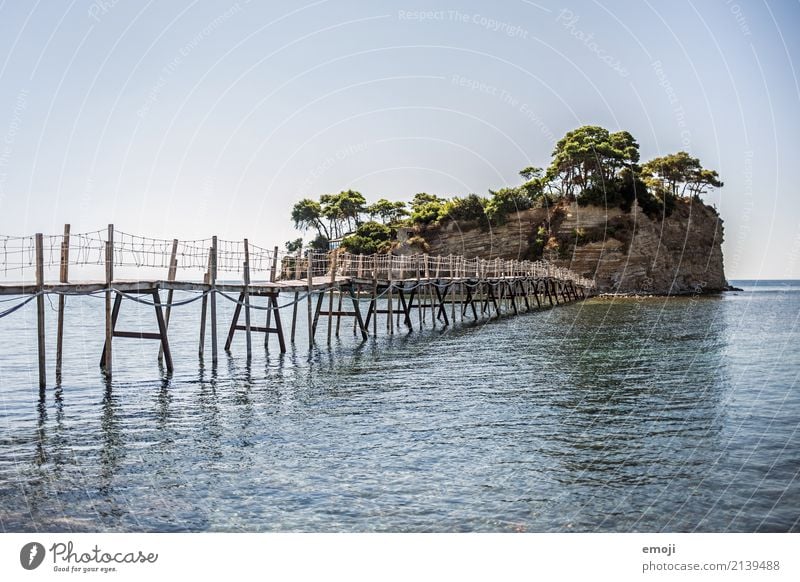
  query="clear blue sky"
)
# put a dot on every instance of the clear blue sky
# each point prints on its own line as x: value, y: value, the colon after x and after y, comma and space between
x: 195, y: 118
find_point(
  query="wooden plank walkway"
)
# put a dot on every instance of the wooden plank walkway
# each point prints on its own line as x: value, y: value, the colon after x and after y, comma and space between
x: 438, y: 290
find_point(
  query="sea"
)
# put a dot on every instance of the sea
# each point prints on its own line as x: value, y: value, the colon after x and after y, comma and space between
x: 609, y: 415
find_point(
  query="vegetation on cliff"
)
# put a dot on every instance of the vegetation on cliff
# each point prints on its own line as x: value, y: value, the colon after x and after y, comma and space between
x: 590, y: 165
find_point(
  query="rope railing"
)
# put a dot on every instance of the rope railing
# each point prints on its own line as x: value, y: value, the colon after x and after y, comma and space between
x: 422, y: 266
x: 18, y: 255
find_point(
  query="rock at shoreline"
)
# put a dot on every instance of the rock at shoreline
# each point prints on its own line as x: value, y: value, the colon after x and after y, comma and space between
x: 625, y: 252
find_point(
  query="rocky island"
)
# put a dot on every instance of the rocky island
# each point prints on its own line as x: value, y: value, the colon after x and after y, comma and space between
x: 633, y: 228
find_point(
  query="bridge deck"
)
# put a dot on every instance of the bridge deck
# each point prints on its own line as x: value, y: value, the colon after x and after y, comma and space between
x: 132, y: 285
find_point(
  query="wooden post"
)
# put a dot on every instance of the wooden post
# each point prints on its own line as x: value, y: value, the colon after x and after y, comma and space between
x: 109, y: 279
x: 204, y: 308
x: 173, y: 270
x: 246, y: 296
x: 417, y: 289
x: 310, y: 297
x: 296, y: 294
x: 40, y: 309
x: 339, y: 314
x: 213, y: 281
x: 332, y: 263
x: 63, y: 277
x: 374, y: 297
x: 452, y: 296
x: 389, y: 321
x: 273, y: 271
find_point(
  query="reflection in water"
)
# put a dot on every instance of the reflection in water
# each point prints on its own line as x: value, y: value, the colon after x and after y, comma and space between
x: 606, y: 416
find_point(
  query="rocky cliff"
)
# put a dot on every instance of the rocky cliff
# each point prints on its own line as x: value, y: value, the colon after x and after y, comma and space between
x: 625, y: 252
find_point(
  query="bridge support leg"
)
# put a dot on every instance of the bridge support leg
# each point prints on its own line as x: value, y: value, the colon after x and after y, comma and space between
x: 442, y: 311
x: 546, y: 286
x: 469, y: 301
x: 357, y: 308
x: 162, y: 328
x: 406, y: 309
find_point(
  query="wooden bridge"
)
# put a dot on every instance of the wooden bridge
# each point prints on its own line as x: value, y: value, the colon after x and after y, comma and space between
x: 399, y: 288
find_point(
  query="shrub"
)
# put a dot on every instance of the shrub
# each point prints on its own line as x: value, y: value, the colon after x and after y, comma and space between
x: 370, y: 238
x: 471, y: 208
x: 507, y: 201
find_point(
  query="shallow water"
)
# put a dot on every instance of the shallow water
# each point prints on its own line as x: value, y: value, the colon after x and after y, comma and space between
x: 623, y: 415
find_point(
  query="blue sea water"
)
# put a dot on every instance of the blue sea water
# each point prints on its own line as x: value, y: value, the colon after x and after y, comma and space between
x: 626, y: 414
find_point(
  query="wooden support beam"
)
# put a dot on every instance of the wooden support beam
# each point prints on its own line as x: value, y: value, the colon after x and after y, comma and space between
x: 523, y: 285
x: 389, y: 320
x: 406, y: 309
x: 237, y: 310
x: 308, y: 303
x: 374, y: 305
x: 171, y: 273
x: 114, y: 316
x: 39, y: 248
x: 338, y: 317
x: 204, y: 309
x: 490, y: 296
x: 108, y: 360
x: 246, y: 299
x: 296, y: 296
x: 213, y: 282
x: 162, y: 331
x: 317, y: 311
x: 357, y: 313
x: 278, y: 329
x: 442, y: 309
x: 138, y: 335
x: 63, y: 277
x: 332, y: 262
x: 512, y: 296
x: 273, y: 270
x: 415, y: 292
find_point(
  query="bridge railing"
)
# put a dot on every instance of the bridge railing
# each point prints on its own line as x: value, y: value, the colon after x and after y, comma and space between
x: 19, y: 256
x: 422, y: 266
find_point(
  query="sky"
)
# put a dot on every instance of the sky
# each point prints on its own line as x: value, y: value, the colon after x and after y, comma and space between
x: 191, y: 119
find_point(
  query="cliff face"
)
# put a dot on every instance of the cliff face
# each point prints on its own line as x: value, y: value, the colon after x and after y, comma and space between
x: 625, y: 252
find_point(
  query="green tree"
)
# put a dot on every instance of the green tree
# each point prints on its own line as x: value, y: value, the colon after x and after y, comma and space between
x: 469, y: 208
x: 679, y: 175
x: 588, y: 157
x: 426, y: 208
x: 343, y: 210
x: 506, y: 201
x: 320, y: 243
x: 389, y: 212
x: 292, y: 246
x: 308, y: 214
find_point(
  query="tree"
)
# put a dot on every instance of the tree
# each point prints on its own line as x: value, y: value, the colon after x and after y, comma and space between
x: 353, y: 205
x: 426, y: 208
x: 588, y: 157
x: 388, y: 212
x: 531, y: 173
x: 292, y: 246
x: 344, y: 208
x: 307, y: 214
x: 678, y: 174
x: 505, y: 201
x: 470, y: 208
x: 320, y: 243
